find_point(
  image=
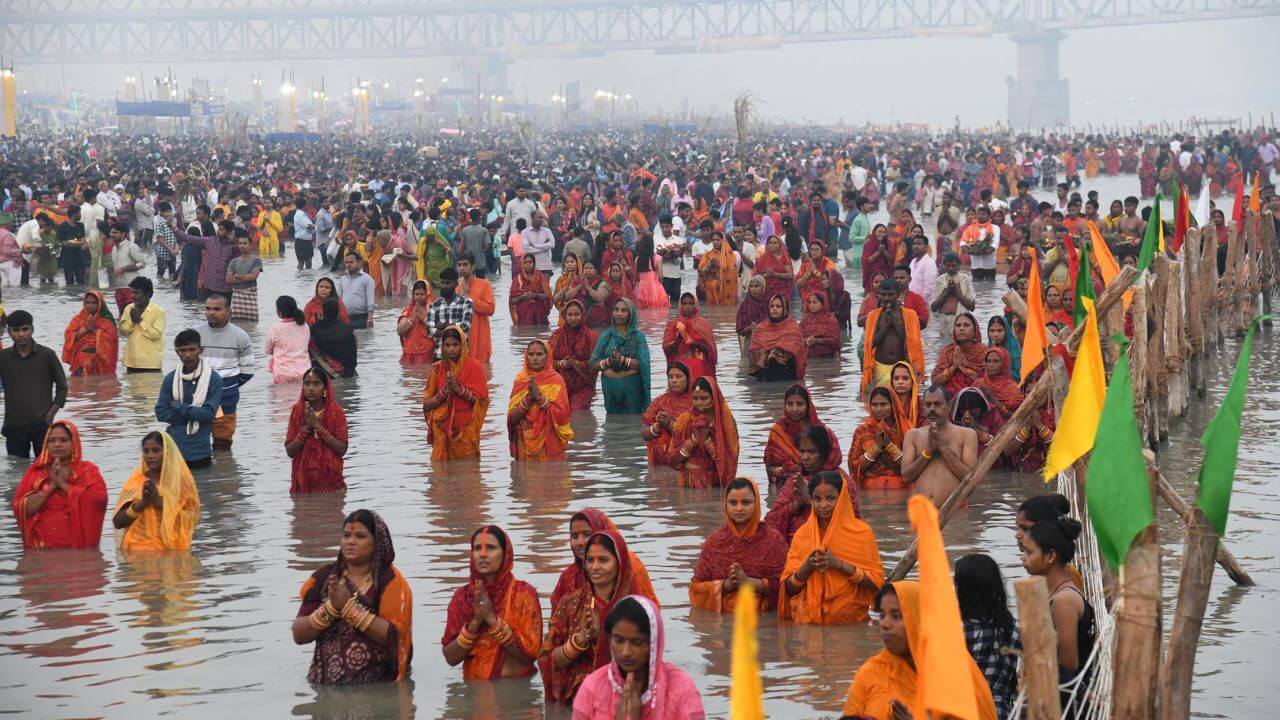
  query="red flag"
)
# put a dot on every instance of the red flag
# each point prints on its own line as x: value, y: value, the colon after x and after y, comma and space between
x: 1073, y: 257
x: 1181, y: 219
x: 1237, y: 210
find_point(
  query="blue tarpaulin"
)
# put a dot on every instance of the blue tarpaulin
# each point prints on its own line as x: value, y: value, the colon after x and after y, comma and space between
x: 152, y: 108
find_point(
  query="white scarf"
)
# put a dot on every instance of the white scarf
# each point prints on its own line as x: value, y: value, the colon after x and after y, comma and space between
x: 201, y: 377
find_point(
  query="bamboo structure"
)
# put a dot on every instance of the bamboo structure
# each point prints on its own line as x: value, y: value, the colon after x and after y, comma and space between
x: 1039, y: 649
x: 1137, y: 628
x: 1188, y: 616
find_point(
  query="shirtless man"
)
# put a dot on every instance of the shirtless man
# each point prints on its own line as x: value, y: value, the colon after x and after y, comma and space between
x: 937, y: 455
x: 1132, y: 227
x: 891, y: 341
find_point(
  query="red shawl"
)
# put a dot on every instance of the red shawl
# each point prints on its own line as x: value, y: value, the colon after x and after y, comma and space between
x: 530, y: 312
x: 316, y: 467
x: 622, y: 257
x: 315, y: 306
x: 766, y: 261
x: 783, y: 448
x: 784, y: 334
x: 574, y: 577
x: 822, y: 325
x: 724, y: 437
x: 660, y: 450
x: 698, y: 330
x: 575, y: 344
x: 1001, y: 386
x: 759, y: 549
x: 67, y: 519
x: 975, y: 354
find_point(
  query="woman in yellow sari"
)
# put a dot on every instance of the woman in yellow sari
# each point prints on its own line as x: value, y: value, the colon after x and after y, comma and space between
x: 833, y: 569
x: 538, y: 412
x: 718, y: 272
x: 456, y: 399
x: 159, y: 505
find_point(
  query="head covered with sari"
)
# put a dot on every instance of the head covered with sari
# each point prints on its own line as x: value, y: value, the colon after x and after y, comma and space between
x: 1010, y: 344
x: 179, y: 511
x: 86, y: 497
x: 1000, y: 383
x: 757, y: 548
x: 456, y: 411
x: 550, y: 429
x: 722, y: 427
x: 752, y: 310
x: 784, y: 334
x: 95, y: 353
x: 783, y: 447
x: 575, y: 575
x: 630, y: 343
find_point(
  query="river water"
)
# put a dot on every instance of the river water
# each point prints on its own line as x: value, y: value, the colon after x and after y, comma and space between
x: 88, y: 634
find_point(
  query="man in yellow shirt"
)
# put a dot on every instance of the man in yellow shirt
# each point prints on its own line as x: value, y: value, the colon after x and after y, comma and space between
x: 142, y: 327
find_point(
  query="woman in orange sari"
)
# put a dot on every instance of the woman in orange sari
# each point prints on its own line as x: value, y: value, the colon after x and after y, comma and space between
x: 571, y: 345
x: 314, y: 310
x: 705, y: 439
x: 659, y: 419
x: 575, y: 644
x: 91, y: 341
x: 358, y: 610
x: 582, y: 525
x: 455, y: 400
x: 906, y: 394
x: 569, y: 286
x: 833, y: 568
x: 416, y: 344
x: 782, y: 451
x: 530, y: 300
x: 689, y: 338
x: 494, y: 622
x: 742, y: 552
x: 616, y: 252
x: 875, y: 456
x: 159, y: 505
x: 619, y: 284
x: 61, y: 500
x: 538, y: 412
x: 814, y: 266
x: 718, y: 272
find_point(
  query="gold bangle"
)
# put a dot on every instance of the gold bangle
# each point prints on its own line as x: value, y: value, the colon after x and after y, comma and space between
x: 869, y: 457
x: 1024, y: 435
x: 130, y: 512
x: 367, y: 620
x: 926, y: 454
x: 573, y: 642
x: 465, y: 639
x: 1046, y: 434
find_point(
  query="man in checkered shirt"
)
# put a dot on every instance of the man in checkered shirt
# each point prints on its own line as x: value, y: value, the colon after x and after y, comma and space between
x: 450, y: 308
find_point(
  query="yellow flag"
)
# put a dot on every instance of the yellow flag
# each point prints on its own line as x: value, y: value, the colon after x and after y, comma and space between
x: 1083, y: 407
x: 746, y: 694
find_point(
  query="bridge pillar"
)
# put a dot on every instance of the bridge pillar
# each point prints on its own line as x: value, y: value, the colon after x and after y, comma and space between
x: 1038, y: 97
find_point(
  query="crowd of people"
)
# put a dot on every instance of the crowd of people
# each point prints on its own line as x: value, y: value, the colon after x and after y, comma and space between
x: 613, y: 224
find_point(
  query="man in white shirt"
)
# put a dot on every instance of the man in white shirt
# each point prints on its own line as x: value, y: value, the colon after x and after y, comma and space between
x: 109, y: 199
x: 91, y: 214
x: 924, y: 270
x: 127, y: 259
x: 671, y: 246
x: 538, y: 241
x: 520, y: 207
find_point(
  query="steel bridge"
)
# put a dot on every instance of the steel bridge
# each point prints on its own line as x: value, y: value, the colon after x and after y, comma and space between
x: 131, y: 31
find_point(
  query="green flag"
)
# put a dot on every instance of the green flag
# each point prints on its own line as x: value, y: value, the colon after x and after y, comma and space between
x: 1117, y: 489
x: 1151, y: 238
x: 1084, y: 286
x: 1221, y: 441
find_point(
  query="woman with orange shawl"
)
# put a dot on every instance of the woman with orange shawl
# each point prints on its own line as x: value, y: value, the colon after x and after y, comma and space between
x: 833, y: 568
x: 906, y: 394
x: 742, y: 552
x: 314, y: 310
x: 159, y: 505
x: 530, y: 300
x: 619, y: 284
x: 569, y: 286
x: 91, y: 341
x: 455, y: 400
x: 659, y: 419
x: 718, y: 272
x: 61, y: 500
x: 960, y: 364
x: 582, y: 525
x: 416, y: 344
x: 777, y: 350
x: 879, y: 256
x: 782, y: 451
x: 999, y: 385
x: 317, y: 437
x: 538, y: 412
x: 575, y: 644
x: 1055, y: 306
x: 814, y: 267
x: 818, y: 453
x: 705, y: 439
x: 494, y: 623
x: 820, y: 328
x: 889, y: 678
x: 875, y: 456
x: 689, y: 339
x: 775, y: 267
x: 571, y: 345
x: 358, y: 610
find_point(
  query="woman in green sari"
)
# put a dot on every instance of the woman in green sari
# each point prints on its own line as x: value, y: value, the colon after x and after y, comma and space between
x: 622, y: 356
x: 434, y: 251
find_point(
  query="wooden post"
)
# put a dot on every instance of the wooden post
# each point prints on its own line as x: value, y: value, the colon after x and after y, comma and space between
x: 1138, y: 358
x: 1194, y: 308
x: 1039, y: 649
x: 1231, y: 282
x: 1235, y: 571
x: 1175, y: 342
x: 1188, y: 616
x: 1137, y: 628
x: 1268, y: 264
x: 1014, y: 302
x: 1209, y: 287
x: 1157, y: 378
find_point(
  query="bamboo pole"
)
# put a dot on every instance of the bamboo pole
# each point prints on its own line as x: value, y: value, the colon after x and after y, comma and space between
x: 1175, y: 343
x: 1039, y: 649
x: 1014, y: 302
x: 1138, y: 359
x: 1194, y: 309
x: 1137, y: 629
x: 1188, y: 616
x: 1209, y: 285
x: 1231, y: 282
x: 1183, y: 509
x: 1157, y: 379
x: 1268, y: 265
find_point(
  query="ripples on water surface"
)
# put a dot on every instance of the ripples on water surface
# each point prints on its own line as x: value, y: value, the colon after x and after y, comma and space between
x: 87, y: 634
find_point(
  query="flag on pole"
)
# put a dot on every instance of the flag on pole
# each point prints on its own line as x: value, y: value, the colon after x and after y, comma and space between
x: 746, y: 693
x: 1181, y: 218
x: 1153, y: 238
x: 1084, y: 287
x: 1083, y: 406
x: 1107, y: 264
x: 1237, y: 208
x: 1117, y: 491
x: 1034, y: 341
x: 1255, y: 195
x: 1221, y: 443
x: 1202, y: 207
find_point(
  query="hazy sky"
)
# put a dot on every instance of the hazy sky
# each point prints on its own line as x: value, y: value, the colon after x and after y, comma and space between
x: 1123, y: 75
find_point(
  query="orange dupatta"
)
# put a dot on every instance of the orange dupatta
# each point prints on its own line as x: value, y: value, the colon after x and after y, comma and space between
x: 544, y: 432
x: 171, y: 527
x: 453, y: 427
x: 915, y: 348
x: 92, y: 354
x: 719, y: 283
x: 723, y: 435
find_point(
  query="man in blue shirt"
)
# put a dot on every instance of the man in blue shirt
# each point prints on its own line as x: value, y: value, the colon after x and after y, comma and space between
x: 189, y: 401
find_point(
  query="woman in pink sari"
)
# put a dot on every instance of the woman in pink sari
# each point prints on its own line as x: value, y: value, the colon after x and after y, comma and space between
x: 400, y: 268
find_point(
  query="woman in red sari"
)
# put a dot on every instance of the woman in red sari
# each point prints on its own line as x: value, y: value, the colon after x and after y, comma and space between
x: 575, y: 644
x: 571, y: 345
x: 659, y: 419
x: 875, y: 456
x: 878, y: 257
x: 530, y: 300
x: 791, y: 508
x: 494, y: 623
x: 820, y: 328
x: 775, y: 267
x: 742, y: 552
x: 616, y: 252
x: 960, y: 364
x: 91, y: 341
x: 777, y: 350
x: 1055, y: 310
x: 620, y: 285
x: 582, y: 525
x: 416, y: 344
x: 782, y: 451
x: 61, y: 500
x: 314, y: 310
x: 456, y: 399
x: 999, y: 385
x: 705, y: 439
x: 813, y: 271
x: 689, y: 338
x: 317, y: 437
x: 538, y: 412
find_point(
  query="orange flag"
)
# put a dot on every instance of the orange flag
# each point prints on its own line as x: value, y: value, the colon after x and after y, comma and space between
x: 1106, y: 261
x: 1035, y: 341
x: 1255, y: 195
